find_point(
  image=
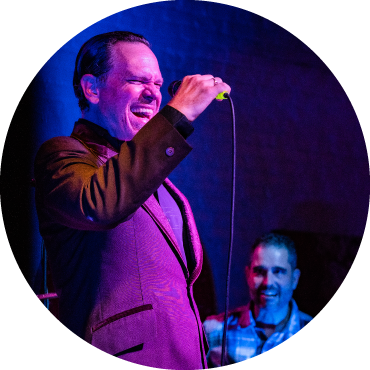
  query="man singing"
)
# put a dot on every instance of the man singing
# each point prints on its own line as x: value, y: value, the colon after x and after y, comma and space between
x: 121, y: 239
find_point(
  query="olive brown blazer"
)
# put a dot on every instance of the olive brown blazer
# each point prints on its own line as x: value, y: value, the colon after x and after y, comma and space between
x: 122, y: 283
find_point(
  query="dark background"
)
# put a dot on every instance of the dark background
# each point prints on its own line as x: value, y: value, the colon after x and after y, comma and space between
x: 302, y: 166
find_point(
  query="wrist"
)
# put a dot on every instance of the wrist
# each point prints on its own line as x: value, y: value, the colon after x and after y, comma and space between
x: 182, y: 109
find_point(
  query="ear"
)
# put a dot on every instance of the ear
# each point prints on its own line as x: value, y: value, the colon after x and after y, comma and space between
x: 247, y: 272
x: 296, y: 275
x: 89, y: 84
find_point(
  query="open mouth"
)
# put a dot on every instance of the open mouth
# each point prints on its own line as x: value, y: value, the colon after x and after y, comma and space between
x: 269, y: 294
x: 142, y: 112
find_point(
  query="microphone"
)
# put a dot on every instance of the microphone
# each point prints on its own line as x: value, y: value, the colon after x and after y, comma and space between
x: 174, y: 86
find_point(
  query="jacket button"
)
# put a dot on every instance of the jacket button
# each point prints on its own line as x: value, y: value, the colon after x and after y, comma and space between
x: 170, y: 151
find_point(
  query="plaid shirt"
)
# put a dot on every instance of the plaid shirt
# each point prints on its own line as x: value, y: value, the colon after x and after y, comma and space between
x: 244, y: 338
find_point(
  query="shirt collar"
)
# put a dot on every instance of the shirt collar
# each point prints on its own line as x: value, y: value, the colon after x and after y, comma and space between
x: 102, y: 136
x: 247, y: 319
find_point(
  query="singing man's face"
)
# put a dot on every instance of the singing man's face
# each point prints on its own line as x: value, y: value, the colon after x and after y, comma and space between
x: 130, y: 95
x: 270, y: 278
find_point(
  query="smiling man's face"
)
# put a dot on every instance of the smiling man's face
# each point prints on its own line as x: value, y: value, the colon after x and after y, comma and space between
x: 129, y: 96
x: 270, y: 278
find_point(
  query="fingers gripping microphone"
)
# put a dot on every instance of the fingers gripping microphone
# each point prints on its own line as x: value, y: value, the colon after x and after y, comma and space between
x: 174, y: 86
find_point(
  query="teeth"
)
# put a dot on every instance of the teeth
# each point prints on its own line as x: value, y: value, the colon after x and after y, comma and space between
x: 145, y: 111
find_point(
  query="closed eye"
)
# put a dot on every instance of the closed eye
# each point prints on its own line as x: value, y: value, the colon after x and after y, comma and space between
x: 158, y: 85
x: 279, y: 270
x: 259, y: 270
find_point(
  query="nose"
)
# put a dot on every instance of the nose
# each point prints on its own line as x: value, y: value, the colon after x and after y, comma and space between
x: 268, y: 278
x: 151, y: 92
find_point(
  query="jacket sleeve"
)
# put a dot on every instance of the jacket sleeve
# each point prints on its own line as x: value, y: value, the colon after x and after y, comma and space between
x: 72, y: 189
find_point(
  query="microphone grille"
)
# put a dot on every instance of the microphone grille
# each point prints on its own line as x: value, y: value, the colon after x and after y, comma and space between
x: 173, y: 87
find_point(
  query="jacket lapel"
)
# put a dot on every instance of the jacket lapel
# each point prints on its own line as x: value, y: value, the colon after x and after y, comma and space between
x: 153, y: 208
x: 189, y: 224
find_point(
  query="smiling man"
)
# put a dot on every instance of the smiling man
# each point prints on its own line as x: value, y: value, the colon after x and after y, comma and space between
x: 272, y: 316
x: 121, y: 239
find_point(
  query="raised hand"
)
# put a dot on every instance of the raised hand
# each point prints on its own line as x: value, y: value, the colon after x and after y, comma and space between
x: 196, y: 93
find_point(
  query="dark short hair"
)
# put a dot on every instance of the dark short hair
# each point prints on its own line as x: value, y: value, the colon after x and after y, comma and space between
x: 278, y: 241
x: 94, y: 58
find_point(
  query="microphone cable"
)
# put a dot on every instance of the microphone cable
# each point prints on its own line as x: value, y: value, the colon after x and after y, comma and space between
x: 231, y: 240
x: 172, y: 88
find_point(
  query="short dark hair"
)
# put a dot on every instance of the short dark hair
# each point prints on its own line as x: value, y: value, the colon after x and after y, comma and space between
x: 94, y: 58
x: 278, y: 241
